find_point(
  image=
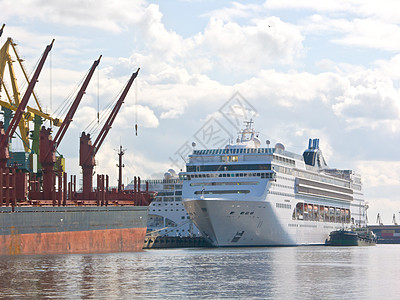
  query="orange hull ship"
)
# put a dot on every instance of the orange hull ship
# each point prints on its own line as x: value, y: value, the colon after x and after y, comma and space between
x: 29, y: 230
x: 110, y: 221
x: 42, y: 213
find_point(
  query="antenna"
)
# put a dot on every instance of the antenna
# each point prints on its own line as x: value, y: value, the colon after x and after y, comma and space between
x: 120, y: 165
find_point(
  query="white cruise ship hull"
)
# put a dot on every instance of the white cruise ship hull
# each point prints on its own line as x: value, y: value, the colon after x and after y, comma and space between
x: 253, y: 223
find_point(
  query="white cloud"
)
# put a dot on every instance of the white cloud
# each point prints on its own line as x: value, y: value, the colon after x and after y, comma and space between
x: 379, y: 173
x: 381, y: 182
x: 130, y: 115
x: 237, y: 10
x: 106, y: 15
x: 366, y: 33
x: 248, y: 48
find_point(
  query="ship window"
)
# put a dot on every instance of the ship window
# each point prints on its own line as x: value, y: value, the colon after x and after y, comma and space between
x: 232, y: 212
x: 222, y: 192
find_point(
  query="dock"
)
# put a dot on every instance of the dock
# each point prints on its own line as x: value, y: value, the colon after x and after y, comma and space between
x: 162, y: 242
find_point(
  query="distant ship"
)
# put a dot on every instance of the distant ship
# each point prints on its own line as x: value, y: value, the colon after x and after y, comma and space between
x: 248, y: 195
x: 167, y: 216
x: 355, y: 237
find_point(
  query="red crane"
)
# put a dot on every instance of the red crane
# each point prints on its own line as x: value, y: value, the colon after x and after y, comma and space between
x: 1, y: 29
x: 48, y: 146
x: 5, y: 135
x: 88, y: 151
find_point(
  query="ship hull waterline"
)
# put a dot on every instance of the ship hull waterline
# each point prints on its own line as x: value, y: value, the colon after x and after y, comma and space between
x: 71, y: 230
x: 224, y: 223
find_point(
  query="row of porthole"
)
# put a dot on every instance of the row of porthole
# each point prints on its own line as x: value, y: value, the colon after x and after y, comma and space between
x: 243, y: 213
x: 159, y: 204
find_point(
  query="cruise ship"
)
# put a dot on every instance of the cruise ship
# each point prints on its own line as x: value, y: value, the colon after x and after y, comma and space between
x: 167, y: 217
x: 248, y: 195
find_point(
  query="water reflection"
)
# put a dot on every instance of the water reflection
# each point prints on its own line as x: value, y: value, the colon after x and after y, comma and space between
x: 266, y: 273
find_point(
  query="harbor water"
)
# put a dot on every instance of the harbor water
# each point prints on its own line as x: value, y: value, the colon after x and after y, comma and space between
x: 314, y: 272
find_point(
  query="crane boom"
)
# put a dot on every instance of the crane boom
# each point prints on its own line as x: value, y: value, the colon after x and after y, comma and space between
x: 1, y: 29
x: 22, y: 105
x: 5, y: 135
x: 87, y: 151
x: 108, y: 124
x: 48, y: 146
x: 75, y: 104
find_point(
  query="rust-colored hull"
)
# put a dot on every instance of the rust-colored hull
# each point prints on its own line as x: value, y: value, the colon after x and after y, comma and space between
x: 71, y: 229
x: 90, y: 241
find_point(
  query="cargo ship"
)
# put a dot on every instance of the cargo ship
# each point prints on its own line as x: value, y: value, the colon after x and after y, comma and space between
x: 386, y: 234
x: 71, y: 229
x: 41, y: 212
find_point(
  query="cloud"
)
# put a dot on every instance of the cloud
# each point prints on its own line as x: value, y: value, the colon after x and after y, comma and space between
x: 365, y: 33
x: 109, y: 15
x: 381, y: 180
x: 237, y: 10
x: 130, y: 115
x: 379, y: 173
x: 252, y: 47
x: 369, y: 100
x: 350, y: 23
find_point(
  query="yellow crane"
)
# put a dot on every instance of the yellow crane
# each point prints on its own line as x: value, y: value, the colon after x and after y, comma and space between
x: 32, y: 114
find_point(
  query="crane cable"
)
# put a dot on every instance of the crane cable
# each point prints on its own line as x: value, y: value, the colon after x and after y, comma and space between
x: 92, y: 128
x: 51, y: 85
x: 98, y: 96
x: 66, y: 104
x: 136, y: 108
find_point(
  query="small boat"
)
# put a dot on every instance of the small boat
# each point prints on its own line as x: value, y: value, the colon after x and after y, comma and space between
x: 356, y: 237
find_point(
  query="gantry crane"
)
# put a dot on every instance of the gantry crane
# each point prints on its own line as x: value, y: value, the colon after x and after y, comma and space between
x: 48, y: 146
x: 88, y: 151
x: 5, y: 134
x: 14, y: 99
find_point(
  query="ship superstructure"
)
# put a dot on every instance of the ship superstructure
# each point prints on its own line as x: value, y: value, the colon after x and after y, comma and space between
x: 167, y: 216
x: 248, y: 195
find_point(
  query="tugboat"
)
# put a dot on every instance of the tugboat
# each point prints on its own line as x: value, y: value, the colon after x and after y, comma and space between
x: 356, y: 237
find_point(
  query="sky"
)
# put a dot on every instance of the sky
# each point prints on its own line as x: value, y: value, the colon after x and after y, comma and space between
x: 300, y: 69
